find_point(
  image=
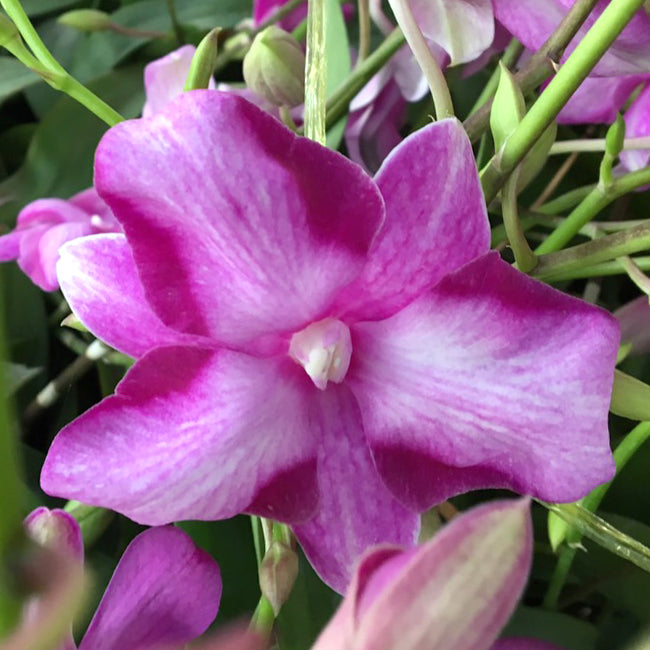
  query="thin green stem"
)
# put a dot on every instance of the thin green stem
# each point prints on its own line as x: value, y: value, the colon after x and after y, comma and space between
x: 540, y: 66
x: 263, y: 618
x: 609, y: 247
x: 176, y: 25
x: 524, y: 257
x: 315, y: 73
x: 19, y: 17
x: 597, y: 144
x: 364, y: 29
x: 616, y: 15
x: 435, y: 78
x: 625, y: 450
x: 565, y: 201
x: 604, y: 534
x: 604, y: 269
x: 595, y: 201
x: 71, y: 87
x: 339, y: 101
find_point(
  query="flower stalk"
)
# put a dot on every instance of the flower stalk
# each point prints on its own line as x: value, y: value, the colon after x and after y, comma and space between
x: 315, y: 73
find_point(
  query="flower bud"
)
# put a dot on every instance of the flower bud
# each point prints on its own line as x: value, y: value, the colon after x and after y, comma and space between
x: 274, y: 67
x: 278, y: 572
x: 630, y: 397
x: 203, y: 61
x: 508, y: 108
x: 615, y: 137
x: 86, y: 20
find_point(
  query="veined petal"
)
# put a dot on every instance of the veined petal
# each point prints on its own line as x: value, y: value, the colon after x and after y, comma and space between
x: 598, y: 100
x: 164, y: 590
x: 456, y: 591
x: 239, y: 228
x: 463, y: 28
x: 491, y: 380
x: 39, y: 251
x: 355, y: 510
x: 436, y: 221
x: 99, y: 280
x: 533, y: 21
x: 192, y: 433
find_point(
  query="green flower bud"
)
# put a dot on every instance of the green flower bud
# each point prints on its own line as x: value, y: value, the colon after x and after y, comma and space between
x: 615, y: 138
x: 508, y: 108
x: 203, y: 61
x: 274, y: 67
x: 86, y: 20
x: 536, y: 158
x: 278, y: 572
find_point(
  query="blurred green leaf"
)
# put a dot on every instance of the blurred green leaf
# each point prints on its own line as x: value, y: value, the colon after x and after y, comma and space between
x: 553, y: 627
x: 14, y: 77
x: 16, y: 375
x: 38, y: 7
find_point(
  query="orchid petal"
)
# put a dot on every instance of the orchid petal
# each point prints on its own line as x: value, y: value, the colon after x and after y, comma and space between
x: 99, y: 280
x: 634, y: 318
x: 39, y: 251
x: 637, y: 125
x: 598, y: 100
x: 355, y: 510
x: 193, y: 433
x: 463, y: 28
x: 491, y: 380
x: 239, y: 228
x: 436, y: 221
x: 164, y: 79
x: 533, y: 21
x: 456, y: 591
x: 164, y: 590
x: 91, y: 203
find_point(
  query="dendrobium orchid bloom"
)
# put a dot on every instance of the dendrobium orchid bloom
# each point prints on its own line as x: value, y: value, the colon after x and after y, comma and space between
x: 456, y: 591
x: 315, y: 346
x: 164, y: 592
x: 44, y: 225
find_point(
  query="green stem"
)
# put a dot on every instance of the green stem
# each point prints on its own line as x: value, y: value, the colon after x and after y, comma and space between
x: 338, y: 103
x: 263, y: 618
x: 571, y: 74
x: 315, y: 73
x: 604, y: 534
x: 509, y: 58
x: 600, y: 270
x: 364, y: 29
x: 597, y: 144
x: 435, y: 78
x: 524, y: 257
x: 625, y: 242
x: 19, y: 17
x: 597, y: 199
x: 540, y: 66
x: 71, y: 87
x: 625, y: 450
x: 176, y: 25
x: 565, y: 201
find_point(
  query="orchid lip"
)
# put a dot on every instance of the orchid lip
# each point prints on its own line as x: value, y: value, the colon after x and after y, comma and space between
x: 323, y: 349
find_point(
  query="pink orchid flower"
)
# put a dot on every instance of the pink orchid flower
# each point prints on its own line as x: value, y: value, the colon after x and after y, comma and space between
x: 316, y: 346
x: 45, y: 225
x: 456, y: 591
x: 164, y: 592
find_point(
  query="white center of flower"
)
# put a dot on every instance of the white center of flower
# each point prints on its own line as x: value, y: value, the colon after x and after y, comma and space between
x: 323, y: 349
x: 96, y: 221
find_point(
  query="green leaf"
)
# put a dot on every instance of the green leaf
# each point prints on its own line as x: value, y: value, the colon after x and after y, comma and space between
x: 38, y: 7
x: 552, y: 627
x: 338, y: 62
x: 630, y: 397
x: 14, y: 77
x: 16, y: 375
x: 59, y: 161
